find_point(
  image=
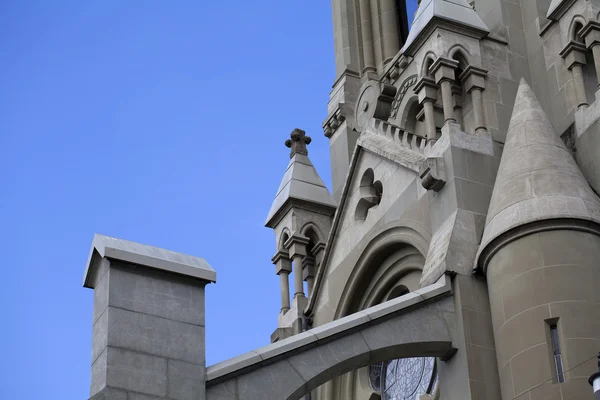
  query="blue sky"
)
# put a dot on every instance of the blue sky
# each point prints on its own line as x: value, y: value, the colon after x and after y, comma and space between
x: 161, y: 122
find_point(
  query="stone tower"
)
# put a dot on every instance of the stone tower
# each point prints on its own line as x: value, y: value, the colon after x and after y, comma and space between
x: 540, y: 252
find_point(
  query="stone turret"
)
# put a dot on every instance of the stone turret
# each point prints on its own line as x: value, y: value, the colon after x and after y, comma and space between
x: 540, y: 252
x: 301, y: 216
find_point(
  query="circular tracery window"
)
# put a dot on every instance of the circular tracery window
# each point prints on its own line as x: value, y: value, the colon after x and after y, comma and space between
x: 405, y: 378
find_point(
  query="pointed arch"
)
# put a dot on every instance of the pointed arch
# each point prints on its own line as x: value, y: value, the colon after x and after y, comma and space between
x: 285, y: 235
x: 577, y: 23
x: 312, y: 231
x: 459, y: 53
x: 428, y: 61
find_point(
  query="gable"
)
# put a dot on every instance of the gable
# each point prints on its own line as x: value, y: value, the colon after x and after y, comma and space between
x: 401, y: 189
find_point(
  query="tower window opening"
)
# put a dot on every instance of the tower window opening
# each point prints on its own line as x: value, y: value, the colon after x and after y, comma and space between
x: 558, y: 362
x: 554, y: 349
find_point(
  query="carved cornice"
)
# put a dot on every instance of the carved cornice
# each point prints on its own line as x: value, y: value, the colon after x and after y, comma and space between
x: 334, y: 120
x: 488, y: 252
x: 396, y: 67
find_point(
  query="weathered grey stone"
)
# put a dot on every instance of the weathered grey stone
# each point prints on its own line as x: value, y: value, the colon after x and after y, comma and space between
x: 157, y: 293
x: 155, y: 335
x: 305, y: 366
x: 185, y: 381
x: 132, y: 371
x: 110, y: 394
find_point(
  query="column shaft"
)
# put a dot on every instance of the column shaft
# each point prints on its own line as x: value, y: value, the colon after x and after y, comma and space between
x: 478, y: 108
x: 579, y: 85
x: 429, y: 120
x: 376, y: 32
x: 447, y: 101
x: 389, y: 28
x: 367, y: 36
x: 285, y: 290
x: 596, y: 53
x: 298, y: 282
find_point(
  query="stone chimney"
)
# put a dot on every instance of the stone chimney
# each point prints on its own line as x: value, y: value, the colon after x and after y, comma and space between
x: 148, y: 336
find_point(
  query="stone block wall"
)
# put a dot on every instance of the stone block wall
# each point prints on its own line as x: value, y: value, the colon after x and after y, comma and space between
x: 148, y: 334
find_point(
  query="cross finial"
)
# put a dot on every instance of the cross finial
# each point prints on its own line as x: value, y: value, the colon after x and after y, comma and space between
x: 297, y: 142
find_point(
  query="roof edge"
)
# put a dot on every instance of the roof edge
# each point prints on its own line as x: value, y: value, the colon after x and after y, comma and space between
x: 489, y: 249
x: 149, y: 256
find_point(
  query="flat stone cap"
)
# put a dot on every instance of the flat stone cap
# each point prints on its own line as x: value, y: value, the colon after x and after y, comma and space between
x: 538, y: 179
x: 149, y: 256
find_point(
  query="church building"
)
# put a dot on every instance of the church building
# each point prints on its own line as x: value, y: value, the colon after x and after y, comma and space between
x: 457, y: 256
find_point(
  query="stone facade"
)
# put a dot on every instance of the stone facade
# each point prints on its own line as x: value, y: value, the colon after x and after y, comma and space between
x: 456, y: 257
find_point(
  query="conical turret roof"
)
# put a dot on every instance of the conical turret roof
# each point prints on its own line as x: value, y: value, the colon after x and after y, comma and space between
x: 301, y: 181
x: 457, y: 11
x: 538, y: 178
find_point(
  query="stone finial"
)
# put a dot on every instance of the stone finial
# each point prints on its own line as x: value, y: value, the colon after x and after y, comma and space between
x: 297, y: 142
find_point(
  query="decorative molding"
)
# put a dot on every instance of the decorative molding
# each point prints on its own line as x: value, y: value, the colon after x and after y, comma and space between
x: 487, y: 253
x: 402, y: 90
x: 334, y: 121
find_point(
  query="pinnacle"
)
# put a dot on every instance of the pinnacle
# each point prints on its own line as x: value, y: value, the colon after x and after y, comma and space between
x: 298, y: 142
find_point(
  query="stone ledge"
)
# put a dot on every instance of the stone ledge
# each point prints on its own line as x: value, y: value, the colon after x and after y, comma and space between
x: 149, y: 256
x: 337, y: 328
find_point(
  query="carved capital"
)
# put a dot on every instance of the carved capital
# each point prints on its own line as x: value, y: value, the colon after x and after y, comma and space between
x: 473, y: 78
x: 443, y: 69
x: 574, y: 54
x: 433, y: 174
x: 296, y: 245
x: 426, y: 89
x: 282, y: 262
x: 308, y: 268
x: 591, y: 33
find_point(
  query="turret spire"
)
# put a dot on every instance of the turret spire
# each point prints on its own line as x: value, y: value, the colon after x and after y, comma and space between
x: 538, y: 179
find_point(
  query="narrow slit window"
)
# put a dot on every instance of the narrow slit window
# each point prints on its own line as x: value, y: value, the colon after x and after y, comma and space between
x: 558, y: 362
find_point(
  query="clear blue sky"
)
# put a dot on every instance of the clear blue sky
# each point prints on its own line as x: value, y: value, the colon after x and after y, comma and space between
x: 161, y: 122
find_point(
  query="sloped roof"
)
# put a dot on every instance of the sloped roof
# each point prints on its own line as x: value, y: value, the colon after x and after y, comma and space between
x: 458, y: 11
x: 538, y: 178
x: 301, y: 182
